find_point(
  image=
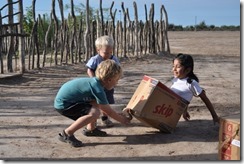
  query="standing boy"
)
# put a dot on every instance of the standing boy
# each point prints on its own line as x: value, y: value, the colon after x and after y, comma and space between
x: 104, y: 46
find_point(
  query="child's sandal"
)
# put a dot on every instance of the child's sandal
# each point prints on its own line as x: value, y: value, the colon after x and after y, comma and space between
x: 95, y: 132
x: 69, y: 139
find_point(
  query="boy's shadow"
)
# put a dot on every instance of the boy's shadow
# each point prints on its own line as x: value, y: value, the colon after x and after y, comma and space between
x: 189, y: 131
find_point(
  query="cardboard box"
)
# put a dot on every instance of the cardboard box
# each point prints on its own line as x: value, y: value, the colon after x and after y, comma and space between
x: 156, y: 105
x: 229, y: 138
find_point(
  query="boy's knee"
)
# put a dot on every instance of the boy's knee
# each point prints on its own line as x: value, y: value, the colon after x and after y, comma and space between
x: 95, y: 112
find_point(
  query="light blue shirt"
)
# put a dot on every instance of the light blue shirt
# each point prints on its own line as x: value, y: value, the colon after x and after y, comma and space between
x: 94, y: 61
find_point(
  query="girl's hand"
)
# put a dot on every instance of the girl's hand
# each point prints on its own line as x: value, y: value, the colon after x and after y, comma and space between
x: 215, y: 119
x: 186, y: 116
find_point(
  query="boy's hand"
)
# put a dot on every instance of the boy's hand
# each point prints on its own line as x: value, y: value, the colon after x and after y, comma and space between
x: 126, y: 119
x: 128, y: 112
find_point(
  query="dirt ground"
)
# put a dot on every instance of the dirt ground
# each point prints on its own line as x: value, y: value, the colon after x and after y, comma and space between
x: 30, y: 125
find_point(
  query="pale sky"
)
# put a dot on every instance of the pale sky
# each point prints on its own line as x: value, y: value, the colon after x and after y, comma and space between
x: 180, y: 12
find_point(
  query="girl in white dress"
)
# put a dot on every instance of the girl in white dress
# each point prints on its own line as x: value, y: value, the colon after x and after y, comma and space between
x: 186, y: 84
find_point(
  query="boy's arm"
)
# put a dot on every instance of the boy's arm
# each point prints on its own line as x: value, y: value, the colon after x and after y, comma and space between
x: 90, y: 72
x: 117, y: 116
x: 209, y: 105
x: 91, y: 66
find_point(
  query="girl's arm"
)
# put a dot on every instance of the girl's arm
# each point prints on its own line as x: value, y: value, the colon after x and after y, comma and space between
x: 186, y: 115
x: 209, y: 105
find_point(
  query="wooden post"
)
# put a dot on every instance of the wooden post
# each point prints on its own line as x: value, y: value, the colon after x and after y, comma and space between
x: 56, y: 34
x: 124, y: 31
x: 22, y: 39
x: 46, y: 41
x: 62, y: 32
x: 87, y: 33
x: 73, y: 36
x: 1, y: 58
x: 113, y: 23
x: 152, y: 30
x: 101, y: 13
x: 166, y: 29
x: 11, y: 43
x: 136, y: 30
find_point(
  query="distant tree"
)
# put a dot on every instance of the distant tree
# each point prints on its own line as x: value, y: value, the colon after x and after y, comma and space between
x: 212, y: 27
x: 43, y: 26
x: 201, y: 26
x: 189, y: 28
x: 179, y: 28
x: 171, y: 27
x: 28, y: 21
x: 28, y: 24
x: 81, y: 8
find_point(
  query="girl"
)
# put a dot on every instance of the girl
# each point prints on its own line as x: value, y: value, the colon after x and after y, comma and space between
x: 185, y: 84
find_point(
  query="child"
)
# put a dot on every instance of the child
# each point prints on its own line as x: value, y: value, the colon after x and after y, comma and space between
x: 185, y: 84
x: 104, y: 46
x: 81, y: 100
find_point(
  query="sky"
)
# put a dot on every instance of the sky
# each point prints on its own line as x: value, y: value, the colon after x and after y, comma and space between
x: 180, y: 12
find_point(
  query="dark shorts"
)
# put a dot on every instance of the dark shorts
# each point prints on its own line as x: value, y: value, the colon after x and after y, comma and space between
x: 110, y: 96
x: 76, y: 111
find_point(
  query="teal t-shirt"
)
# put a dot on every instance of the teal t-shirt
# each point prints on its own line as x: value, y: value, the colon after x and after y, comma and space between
x: 80, y: 90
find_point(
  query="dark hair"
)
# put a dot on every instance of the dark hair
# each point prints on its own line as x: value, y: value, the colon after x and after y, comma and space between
x: 187, y: 61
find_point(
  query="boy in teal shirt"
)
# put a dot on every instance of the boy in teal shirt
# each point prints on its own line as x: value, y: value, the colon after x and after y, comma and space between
x: 81, y: 100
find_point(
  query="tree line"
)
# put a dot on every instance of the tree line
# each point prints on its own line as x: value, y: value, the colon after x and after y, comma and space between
x: 202, y: 26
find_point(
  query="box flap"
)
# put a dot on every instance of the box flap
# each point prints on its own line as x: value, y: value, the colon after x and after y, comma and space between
x: 164, y: 87
x: 142, y: 93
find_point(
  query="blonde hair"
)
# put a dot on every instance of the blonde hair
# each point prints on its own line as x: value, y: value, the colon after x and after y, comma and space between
x: 108, y: 69
x: 104, y: 41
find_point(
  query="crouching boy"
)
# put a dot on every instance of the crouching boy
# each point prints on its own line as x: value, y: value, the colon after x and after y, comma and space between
x: 81, y: 100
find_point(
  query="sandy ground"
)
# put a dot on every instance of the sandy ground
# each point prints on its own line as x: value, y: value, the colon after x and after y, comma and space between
x: 30, y: 126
